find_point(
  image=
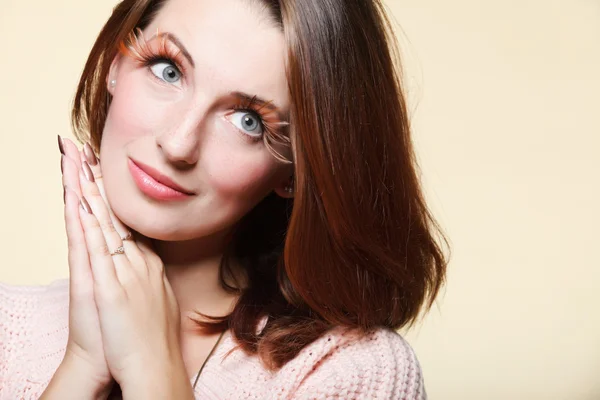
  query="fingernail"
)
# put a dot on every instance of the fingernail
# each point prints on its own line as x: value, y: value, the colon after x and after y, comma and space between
x: 64, y: 195
x: 89, y: 154
x: 87, y: 171
x: 60, y: 145
x: 85, y: 205
x: 62, y: 159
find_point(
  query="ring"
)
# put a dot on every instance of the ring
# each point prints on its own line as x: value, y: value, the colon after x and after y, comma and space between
x: 118, y: 250
x: 129, y: 236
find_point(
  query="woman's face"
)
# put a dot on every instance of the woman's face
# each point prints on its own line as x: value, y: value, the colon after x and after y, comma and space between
x: 182, y: 115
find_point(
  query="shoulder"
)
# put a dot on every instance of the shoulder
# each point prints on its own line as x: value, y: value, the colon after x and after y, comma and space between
x: 33, y: 333
x: 19, y: 303
x: 25, y: 291
x: 351, y: 365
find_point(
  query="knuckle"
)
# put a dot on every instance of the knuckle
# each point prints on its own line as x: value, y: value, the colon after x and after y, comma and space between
x: 139, y: 267
x: 93, y: 191
x: 72, y: 244
x: 158, y: 266
x: 101, y: 250
x: 68, y: 162
x: 153, y: 272
x: 130, y: 282
x: 75, y: 246
x: 72, y: 247
x: 107, y: 225
x: 93, y: 222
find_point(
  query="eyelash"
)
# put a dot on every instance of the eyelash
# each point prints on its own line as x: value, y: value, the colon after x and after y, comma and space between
x: 140, y: 50
x: 251, y: 107
x: 159, y: 58
x: 146, y: 56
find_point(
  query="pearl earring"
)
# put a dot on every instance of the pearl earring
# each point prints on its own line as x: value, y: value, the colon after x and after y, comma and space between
x: 289, y: 188
x: 113, y: 83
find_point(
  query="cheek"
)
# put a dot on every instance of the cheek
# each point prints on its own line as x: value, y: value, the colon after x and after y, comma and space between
x: 240, y: 174
x: 135, y: 111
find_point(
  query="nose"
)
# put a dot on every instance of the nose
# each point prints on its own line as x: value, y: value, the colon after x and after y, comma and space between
x: 181, y: 143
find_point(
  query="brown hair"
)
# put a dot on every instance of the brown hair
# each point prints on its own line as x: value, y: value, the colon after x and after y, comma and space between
x: 357, y: 247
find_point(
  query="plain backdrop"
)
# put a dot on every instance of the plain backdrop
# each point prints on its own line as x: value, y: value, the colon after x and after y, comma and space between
x: 505, y: 98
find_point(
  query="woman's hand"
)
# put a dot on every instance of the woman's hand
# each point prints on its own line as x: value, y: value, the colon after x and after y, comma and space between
x: 84, y: 346
x: 138, y: 314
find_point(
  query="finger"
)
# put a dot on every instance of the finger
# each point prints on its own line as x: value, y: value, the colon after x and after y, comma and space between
x: 102, y: 266
x: 146, y: 246
x: 88, y: 156
x: 80, y: 275
x: 154, y: 264
x: 70, y: 175
x: 71, y: 151
x: 125, y: 264
x: 71, y: 154
x: 174, y: 306
x: 144, y: 243
x: 105, y: 226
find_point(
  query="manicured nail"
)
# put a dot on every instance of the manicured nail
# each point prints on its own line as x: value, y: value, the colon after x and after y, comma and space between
x: 62, y: 160
x: 64, y: 195
x: 89, y: 154
x: 87, y: 171
x: 86, y: 206
x: 60, y: 145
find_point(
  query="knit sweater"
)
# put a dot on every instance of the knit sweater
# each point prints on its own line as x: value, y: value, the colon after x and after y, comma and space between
x: 339, y: 365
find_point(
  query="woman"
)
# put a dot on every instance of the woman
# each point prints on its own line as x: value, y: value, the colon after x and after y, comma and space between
x: 255, y: 228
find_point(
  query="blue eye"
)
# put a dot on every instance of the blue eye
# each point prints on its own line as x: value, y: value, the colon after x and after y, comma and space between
x: 166, y: 72
x: 248, y: 122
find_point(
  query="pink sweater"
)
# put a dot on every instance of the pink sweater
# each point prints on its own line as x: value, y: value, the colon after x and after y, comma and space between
x: 33, y: 336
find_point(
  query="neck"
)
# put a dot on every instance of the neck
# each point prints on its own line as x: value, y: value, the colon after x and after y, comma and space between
x: 192, y: 268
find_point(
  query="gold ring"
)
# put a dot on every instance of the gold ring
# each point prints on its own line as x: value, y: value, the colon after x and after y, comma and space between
x: 118, y: 250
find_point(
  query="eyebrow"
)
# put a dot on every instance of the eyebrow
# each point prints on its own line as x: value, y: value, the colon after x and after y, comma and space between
x: 171, y: 37
x: 260, y: 102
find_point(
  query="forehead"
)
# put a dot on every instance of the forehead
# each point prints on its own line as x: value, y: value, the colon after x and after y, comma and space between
x: 234, y: 43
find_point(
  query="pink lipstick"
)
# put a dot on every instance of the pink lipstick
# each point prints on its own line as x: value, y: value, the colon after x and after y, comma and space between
x: 156, y: 185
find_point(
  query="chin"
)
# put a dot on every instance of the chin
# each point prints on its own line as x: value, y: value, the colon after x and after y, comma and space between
x: 170, y: 224
x: 153, y: 227
x: 158, y: 231
x: 166, y: 230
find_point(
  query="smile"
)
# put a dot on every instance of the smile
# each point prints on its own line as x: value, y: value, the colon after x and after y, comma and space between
x: 154, y: 184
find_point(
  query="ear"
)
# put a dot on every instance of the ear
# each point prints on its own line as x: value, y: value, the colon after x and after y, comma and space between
x: 111, y: 77
x: 286, y: 188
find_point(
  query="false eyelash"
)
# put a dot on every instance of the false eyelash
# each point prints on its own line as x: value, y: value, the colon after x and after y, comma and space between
x: 273, y: 135
x: 137, y: 47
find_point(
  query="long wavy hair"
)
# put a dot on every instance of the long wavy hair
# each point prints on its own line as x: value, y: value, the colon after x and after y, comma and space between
x: 357, y: 247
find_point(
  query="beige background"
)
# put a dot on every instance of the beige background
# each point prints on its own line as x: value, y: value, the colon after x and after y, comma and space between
x: 505, y: 96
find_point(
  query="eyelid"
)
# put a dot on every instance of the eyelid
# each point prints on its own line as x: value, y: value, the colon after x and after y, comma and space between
x: 145, y: 51
x: 177, y: 84
x: 164, y: 58
x: 247, y: 135
x: 180, y: 46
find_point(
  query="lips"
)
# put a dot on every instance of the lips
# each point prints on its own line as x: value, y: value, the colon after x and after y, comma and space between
x: 154, y: 184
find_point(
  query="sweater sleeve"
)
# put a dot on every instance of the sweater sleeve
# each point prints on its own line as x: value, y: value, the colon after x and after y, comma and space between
x: 380, y: 365
x: 31, y: 337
